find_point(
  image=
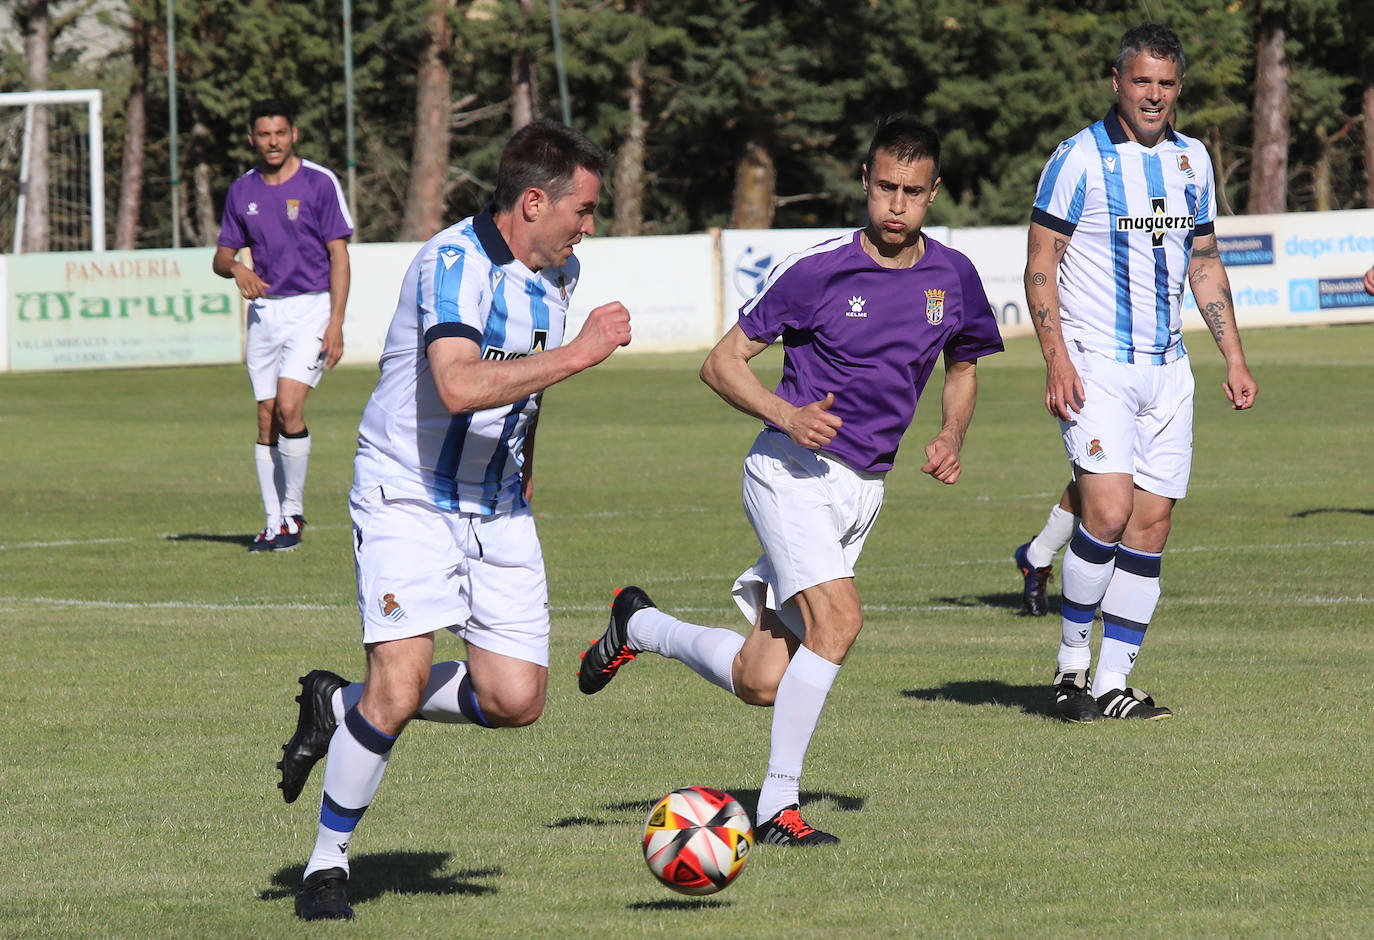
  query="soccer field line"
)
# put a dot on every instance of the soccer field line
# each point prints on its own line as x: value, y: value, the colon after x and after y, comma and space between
x: 16, y: 546
x: 14, y: 602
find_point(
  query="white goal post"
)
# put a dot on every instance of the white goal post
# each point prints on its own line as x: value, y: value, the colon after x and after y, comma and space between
x: 92, y: 99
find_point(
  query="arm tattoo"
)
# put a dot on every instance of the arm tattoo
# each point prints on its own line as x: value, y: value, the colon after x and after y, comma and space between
x: 1042, y: 315
x: 1207, y: 251
x: 1038, y: 280
x: 1060, y: 244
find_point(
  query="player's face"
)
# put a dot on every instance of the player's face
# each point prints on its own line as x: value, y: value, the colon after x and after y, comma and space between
x: 562, y: 222
x: 1146, y: 91
x: 899, y: 194
x: 274, y: 139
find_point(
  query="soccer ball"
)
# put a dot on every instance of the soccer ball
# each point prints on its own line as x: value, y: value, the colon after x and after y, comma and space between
x: 697, y: 840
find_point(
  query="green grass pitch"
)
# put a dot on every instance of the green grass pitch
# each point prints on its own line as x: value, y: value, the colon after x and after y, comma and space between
x: 150, y: 663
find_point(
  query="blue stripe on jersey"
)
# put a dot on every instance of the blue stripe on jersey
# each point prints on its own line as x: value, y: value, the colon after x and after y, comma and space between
x: 1051, y: 176
x: 539, y: 307
x: 448, y: 282
x: 496, y: 467
x: 1080, y: 194
x: 450, y: 457
x: 1115, y: 188
x: 1154, y: 182
x: 499, y: 316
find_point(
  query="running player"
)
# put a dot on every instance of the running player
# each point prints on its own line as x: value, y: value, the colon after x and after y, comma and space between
x: 291, y: 214
x: 1124, y: 211
x: 864, y: 319
x: 443, y: 534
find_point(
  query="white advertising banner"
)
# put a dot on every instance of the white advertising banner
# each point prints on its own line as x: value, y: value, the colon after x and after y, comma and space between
x: 377, y: 271
x: 668, y: 283
x: 999, y: 254
x: 1296, y: 269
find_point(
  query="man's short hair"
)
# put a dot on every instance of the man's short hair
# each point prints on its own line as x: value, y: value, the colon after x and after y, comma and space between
x: 544, y: 155
x: 1152, y: 39
x: 908, y: 140
x: 270, y: 107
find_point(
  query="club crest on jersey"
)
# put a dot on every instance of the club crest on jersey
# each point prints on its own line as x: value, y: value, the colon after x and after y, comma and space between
x: 293, y: 209
x: 252, y: 209
x: 1095, y: 450
x: 856, y: 307
x: 391, y: 610
x: 1183, y: 166
x: 935, y: 306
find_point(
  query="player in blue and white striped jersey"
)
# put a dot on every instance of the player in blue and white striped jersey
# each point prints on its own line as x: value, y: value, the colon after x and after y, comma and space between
x: 443, y: 535
x: 1125, y: 211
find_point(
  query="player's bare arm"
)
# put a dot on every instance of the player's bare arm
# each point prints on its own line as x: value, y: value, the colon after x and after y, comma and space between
x: 1212, y: 290
x: 1063, y: 388
x: 959, y: 395
x: 727, y: 371
x: 226, y: 264
x: 332, y: 347
x: 1369, y: 281
x: 468, y: 383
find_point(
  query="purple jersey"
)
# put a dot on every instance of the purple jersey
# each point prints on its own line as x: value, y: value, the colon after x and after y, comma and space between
x: 287, y: 226
x: 869, y: 334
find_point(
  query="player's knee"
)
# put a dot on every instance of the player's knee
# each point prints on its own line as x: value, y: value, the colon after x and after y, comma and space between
x: 755, y: 690
x: 513, y: 710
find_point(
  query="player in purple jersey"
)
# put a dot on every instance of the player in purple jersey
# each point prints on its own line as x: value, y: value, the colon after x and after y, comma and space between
x: 863, y: 319
x: 291, y: 214
x: 476, y: 338
x: 1123, y: 214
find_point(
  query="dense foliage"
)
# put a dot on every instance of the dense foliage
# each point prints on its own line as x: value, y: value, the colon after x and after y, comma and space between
x: 801, y: 81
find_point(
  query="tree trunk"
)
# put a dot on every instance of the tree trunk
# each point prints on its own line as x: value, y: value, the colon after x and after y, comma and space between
x: 37, y: 55
x: 199, y: 222
x: 135, y: 133
x: 629, y: 160
x: 1269, y: 162
x: 524, y: 94
x: 424, y: 210
x: 755, y: 183
x: 1368, y: 126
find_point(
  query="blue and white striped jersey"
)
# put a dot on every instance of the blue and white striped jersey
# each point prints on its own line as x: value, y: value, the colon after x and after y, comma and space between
x: 1132, y: 213
x: 464, y: 282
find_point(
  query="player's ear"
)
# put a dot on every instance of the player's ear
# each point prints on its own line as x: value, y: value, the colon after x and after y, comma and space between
x: 532, y: 203
x: 935, y: 189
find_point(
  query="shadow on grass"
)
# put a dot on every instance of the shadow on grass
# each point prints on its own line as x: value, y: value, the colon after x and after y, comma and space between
x: 1031, y: 699
x: 374, y: 874
x: 1011, y: 602
x: 244, y: 540
x: 1304, y: 513
x: 748, y: 798
x: 677, y: 904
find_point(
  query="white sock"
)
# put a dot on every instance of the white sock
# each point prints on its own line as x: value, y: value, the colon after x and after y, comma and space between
x: 344, y: 698
x: 796, y: 711
x: 1127, y: 608
x: 708, y: 651
x: 295, y: 458
x: 358, y: 755
x: 449, y: 697
x: 265, y: 458
x: 1054, y: 536
x: 1088, y: 566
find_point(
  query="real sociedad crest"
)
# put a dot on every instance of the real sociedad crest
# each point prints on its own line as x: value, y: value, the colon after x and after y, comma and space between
x: 935, y: 306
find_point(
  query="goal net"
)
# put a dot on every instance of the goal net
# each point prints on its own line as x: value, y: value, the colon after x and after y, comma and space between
x: 74, y: 197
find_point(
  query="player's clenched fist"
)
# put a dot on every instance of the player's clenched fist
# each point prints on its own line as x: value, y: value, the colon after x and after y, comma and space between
x: 814, y: 425
x: 607, y: 327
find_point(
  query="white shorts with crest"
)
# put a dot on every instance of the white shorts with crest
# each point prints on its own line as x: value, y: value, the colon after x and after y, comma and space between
x: 1136, y: 419
x: 812, y: 513
x: 284, y: 340
x: 421, y: 569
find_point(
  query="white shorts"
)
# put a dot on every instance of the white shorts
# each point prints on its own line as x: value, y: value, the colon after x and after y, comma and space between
x: 285, y: 336
x: 1137, y: 419
x: 421, y: 569
x: 811, y: 513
